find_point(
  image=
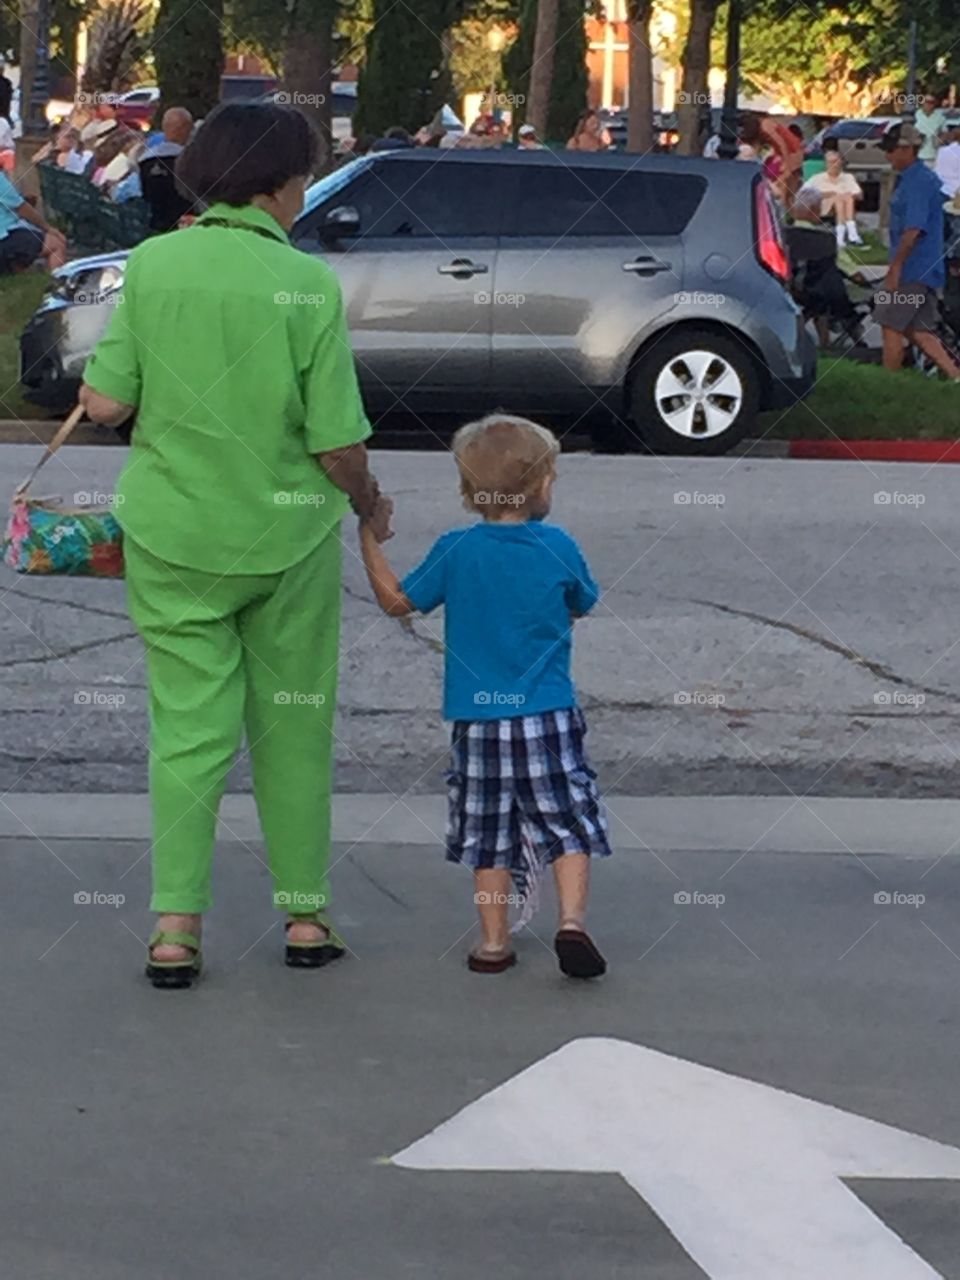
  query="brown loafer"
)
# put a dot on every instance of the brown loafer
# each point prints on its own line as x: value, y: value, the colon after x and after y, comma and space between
x: 578, y: 956
x: 492, y: 962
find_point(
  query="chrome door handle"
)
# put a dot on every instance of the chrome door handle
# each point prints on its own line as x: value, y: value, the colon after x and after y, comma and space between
x: 463, y: 268
x: 647, y: 266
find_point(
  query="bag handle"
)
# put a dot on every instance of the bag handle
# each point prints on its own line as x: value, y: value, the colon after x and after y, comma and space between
x: 61, y: 435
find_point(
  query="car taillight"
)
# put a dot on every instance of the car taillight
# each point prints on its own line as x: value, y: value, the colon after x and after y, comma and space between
x: 770, y: 251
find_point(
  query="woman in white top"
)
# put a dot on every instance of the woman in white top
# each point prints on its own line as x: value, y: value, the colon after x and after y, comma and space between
x: 839, y: 193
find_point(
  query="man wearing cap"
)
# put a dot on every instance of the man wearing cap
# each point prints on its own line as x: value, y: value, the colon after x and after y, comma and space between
x: 527, y: 139
x: 906, y: 305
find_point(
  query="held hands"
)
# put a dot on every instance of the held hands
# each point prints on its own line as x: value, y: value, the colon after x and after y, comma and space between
x: 378, y: 521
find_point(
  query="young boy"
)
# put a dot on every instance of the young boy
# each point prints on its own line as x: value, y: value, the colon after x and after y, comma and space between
x: 521, y: 790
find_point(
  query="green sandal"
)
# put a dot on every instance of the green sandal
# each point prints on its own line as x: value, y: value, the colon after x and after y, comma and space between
x: 172, y: 974
x: 314, y: 955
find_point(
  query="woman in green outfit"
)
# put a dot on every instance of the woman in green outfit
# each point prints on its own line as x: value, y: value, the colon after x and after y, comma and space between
x: 247, y: 452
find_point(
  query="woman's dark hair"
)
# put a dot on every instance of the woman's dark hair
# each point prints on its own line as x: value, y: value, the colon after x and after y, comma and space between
x: 246, y: 149
x: 750, y: 128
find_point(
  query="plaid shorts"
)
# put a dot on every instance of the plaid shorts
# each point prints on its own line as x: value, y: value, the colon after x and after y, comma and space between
x: 521, y: 794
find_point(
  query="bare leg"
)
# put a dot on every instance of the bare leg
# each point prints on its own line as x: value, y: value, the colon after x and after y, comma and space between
x: 893, y: 343
x: 170, y: 952
x: 492, y: 888
x: 931, y: 346
x: 576, y: 951
x: 572, y: 875
x: 844, y: 208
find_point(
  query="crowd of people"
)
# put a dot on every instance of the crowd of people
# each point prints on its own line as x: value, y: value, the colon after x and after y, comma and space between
x: 488, y: 130
x: 120, y: 163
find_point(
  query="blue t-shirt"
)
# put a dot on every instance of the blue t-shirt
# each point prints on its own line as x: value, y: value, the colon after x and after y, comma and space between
x: 10, y: 202
x: 917, y: 205
x: 510, y: 592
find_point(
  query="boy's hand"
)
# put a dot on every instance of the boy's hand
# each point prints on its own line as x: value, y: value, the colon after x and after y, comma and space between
x: 378, y: 522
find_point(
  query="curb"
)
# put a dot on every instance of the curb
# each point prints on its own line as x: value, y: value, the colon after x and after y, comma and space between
x: 877, y: 450
x: 642, y: 826
x: 42, y: 431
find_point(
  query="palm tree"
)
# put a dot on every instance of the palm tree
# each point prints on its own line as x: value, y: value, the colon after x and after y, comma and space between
x: 116, y: 42
x: 541, y: 72
x: 694, y: 92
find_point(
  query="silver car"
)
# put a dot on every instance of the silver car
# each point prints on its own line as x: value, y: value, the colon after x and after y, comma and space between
x: 644, y: 299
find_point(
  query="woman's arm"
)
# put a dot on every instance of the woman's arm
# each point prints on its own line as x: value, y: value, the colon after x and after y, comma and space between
x: 111, y: 413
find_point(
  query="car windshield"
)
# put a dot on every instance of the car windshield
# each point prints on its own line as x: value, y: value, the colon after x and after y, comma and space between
x: 321, y: 191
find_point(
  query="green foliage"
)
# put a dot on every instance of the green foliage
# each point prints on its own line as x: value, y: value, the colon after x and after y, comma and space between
x: 263, y: 26
x: 116, y: 42
x: 568, y: 94
x: 406, y: 77
x: 844, y: 53
x: 188, y: 51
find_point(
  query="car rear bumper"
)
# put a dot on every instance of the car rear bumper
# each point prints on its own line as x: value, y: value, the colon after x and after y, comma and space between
x: 789, y: 353
x: 783, y: 391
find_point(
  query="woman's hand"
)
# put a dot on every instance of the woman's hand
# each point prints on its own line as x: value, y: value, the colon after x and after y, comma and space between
x: 378, y: 522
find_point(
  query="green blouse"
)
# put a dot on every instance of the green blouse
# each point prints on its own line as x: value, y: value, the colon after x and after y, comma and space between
x: 234, y: 347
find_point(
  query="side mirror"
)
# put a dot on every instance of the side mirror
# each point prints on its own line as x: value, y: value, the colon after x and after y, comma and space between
x: 340, y: 222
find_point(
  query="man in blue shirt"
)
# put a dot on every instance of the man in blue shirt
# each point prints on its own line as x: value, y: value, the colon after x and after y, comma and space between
x: 906, y: 306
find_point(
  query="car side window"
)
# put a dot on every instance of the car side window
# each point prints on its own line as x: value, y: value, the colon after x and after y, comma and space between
x: 440, y: 201
x: 570, y: 202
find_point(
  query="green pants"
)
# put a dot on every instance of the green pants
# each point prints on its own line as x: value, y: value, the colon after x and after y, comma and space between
x: 224, y: 653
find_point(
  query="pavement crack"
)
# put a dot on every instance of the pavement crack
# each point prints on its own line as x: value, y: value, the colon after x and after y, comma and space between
x: 878, y: 669
x: 372, y: 879
x: 430, y: 642
x: 69, y: 604
x: 60, y: 654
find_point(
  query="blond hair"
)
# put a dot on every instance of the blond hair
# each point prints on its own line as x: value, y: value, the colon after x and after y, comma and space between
x: 503, y: 459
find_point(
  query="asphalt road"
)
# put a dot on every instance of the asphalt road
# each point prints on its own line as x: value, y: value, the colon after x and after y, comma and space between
x: 767, y: 627
x: 244, y: 1129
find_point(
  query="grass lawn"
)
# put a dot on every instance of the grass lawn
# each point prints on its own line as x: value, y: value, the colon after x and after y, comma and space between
x: 872, y: 253
x: 19, y: 298
x: 865, y: 402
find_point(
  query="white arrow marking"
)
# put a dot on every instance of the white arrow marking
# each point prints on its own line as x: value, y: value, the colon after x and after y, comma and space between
x: 744, y: 1175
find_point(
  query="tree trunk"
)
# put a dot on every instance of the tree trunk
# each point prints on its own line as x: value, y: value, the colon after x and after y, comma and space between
x: 541, y: 72
x: 307, y: 69
x: 694, y: 96
x: 640, y: 113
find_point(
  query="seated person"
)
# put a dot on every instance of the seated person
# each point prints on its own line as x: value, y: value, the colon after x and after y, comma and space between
x: 817, y: 278
x: 168, y: 205
x: 25, y: 234
x: 839, y: 192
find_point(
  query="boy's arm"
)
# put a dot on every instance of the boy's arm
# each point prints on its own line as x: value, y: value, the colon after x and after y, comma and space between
x: 383, y: 581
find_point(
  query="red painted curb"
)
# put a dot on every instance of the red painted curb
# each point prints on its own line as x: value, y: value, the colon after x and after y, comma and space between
x: 878, y: 450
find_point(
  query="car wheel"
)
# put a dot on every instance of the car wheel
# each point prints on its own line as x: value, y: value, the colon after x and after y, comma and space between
x: 694, y: 392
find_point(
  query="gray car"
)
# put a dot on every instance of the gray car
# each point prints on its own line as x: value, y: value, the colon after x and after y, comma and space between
x: 642, y: 298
